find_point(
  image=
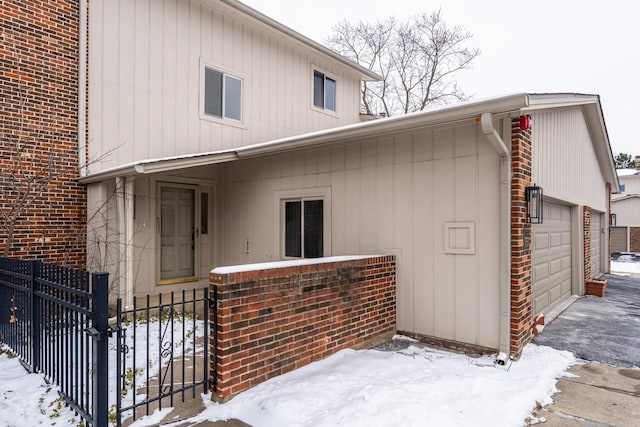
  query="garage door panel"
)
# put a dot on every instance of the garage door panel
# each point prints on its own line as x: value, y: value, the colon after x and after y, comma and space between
x: 556, y: 239
x: 540, y: 301
x: 555, y: 266
x: 540, y: 272
x: 551, y: 258
x: 541, y: 241
x: 555, y: 294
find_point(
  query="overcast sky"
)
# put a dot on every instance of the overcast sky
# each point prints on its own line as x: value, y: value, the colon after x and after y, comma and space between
x: 582, y: 46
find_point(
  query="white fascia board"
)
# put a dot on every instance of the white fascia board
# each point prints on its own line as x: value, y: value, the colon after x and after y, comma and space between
x: 144, y: 167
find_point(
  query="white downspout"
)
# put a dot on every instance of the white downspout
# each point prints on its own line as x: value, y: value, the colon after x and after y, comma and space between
x: 486, y: 123
x: 505, y: 226
x: 82, y: 89
x: 122, y: 256
x: 129, y: 209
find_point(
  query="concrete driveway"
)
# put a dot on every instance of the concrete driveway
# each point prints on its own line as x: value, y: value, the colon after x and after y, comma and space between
x: 603, y: 329
x: 604, y: 332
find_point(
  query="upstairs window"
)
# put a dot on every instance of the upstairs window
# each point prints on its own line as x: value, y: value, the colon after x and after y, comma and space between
x: 303, y: 228
x: 222, y: 95
x: 324, y: 91
x: 622, y: 186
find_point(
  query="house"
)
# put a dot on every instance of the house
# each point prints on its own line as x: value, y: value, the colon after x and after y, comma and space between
x: 217, y: 136
x: 625, y: 209
x: 232, y: 139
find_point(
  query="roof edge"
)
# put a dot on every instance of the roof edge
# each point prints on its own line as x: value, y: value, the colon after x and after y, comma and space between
x: 366, y: 73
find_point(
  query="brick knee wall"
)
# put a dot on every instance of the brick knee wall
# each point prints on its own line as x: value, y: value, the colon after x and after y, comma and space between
x: 38, y: 118
x: 634, y: 239
x: 275, y: 320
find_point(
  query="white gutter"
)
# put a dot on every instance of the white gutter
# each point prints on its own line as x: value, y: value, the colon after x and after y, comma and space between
x: 82, y: 89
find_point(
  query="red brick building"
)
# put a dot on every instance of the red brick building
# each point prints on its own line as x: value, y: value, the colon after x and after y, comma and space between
x: 42, y: 207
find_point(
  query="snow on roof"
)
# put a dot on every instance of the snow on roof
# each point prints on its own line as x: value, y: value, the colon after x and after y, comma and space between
x: 627, y: 172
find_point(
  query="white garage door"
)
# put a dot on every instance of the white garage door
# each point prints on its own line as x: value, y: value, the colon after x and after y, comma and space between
x: 551, y: 258
x: 619, y: 239
x: 596, y: 234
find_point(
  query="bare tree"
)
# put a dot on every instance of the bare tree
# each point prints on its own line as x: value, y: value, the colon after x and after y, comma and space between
x: 24, y: 178
x: 417, y: 60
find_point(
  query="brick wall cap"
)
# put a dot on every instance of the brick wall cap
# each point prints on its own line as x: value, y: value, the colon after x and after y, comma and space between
x: 289, y: 263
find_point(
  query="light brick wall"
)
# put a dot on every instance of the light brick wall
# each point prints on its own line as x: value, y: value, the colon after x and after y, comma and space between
x: 273, y: 321
x: 38, y: 116
x: 521, y: 299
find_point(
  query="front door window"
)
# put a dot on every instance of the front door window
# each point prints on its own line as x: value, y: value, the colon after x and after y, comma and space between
x: 177, y: 233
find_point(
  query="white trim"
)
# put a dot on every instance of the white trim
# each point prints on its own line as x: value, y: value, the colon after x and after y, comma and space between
x: 158, y: 185
x: 320, y: 193
x: 204, y: 64
x: 327, y: 75
x: 452, y: 230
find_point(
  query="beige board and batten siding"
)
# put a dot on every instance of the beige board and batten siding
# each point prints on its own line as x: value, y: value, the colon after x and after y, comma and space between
x: 631, y: 184
x: 145, y: 72
x: 564, y: 161
x: 390, y: 194
x: 627, y: 211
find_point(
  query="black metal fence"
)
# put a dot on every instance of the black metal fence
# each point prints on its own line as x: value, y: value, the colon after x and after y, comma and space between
x: 163, y: 351
x: 55, y: 319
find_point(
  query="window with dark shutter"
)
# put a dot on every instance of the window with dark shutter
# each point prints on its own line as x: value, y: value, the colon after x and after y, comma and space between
x: 304, y: 228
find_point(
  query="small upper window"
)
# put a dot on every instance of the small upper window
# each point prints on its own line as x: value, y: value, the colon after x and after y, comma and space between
x: 324, y: 91
x: 222, y: 95
x: 622, y: 186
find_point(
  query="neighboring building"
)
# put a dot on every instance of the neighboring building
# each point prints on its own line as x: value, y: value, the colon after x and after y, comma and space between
x: 39, y: 54
x: 625, y: 207
x: 217, y: 136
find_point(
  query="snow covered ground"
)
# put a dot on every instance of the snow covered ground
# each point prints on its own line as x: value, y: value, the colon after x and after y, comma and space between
x: 625, y: 264
x: 409, y: 387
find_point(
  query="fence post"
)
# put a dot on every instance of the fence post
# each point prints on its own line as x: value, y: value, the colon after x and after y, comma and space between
x: 36, y: 314
x: 100, y: 359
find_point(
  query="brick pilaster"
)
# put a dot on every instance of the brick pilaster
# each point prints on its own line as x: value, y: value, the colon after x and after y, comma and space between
x: 634, y: 239
x: 586, y: 230
x: 521, y: 299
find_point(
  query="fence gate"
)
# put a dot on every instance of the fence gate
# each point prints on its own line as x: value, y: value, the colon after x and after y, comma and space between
x: 163, y: 351
x: 58, y: 325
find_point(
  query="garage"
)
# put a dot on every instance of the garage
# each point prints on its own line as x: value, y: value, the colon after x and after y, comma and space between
x: 596, y: 235
x: 619, y: 239
x: 551, y: 258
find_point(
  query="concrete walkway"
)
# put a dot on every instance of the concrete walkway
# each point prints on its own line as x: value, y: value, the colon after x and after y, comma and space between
x: 604, y: 390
